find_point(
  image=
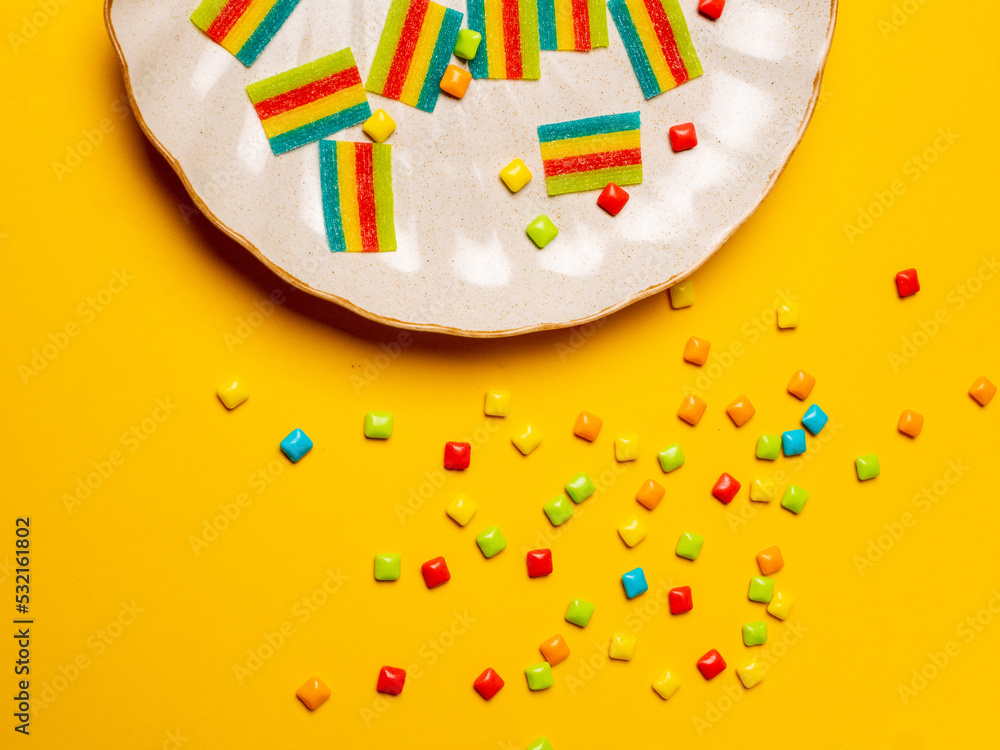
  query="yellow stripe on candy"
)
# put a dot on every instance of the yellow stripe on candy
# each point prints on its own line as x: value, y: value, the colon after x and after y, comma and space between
x: 317, y: 110
x: 247, y: 25
x: 565, y: 36
x: 422, y: 55
x: 495, y: 57
x: 651, y: 43
x: 348, y: 184
x: 590, y: 144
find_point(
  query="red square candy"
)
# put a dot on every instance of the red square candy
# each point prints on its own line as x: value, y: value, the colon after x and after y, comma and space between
x: 457, y: 455
x: 711, y: 664
x: 612, y: 199
x: 683, y: 137
x: 726, y: 488
x: 390, y: 680
x: 680, y: 600
x: 488, y: 684
x: 712, y: 8
x: 907, y: 282
x: 539, y: 563
x: 435, y: 572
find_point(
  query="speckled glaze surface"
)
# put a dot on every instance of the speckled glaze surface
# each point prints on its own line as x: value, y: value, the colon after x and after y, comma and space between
x: 464, y: 264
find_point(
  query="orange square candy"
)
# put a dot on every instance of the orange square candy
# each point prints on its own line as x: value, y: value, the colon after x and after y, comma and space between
x: 313, y: 693
x: 983, y: 390
x: 696, y: 350
x: 455, y: 81
x: 692, y: 409
x: 650, y: 494
x: 770, y: 560
x: 801, y: 384
x: 554, y: 649
x: 911, y: 423
x: 587, y: 426
x: 740, y: 411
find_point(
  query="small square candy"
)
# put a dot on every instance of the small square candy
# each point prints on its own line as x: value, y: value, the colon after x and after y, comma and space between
x: 588, y: 426
x: 692, y: 409
x: 725, y: 488
x: 712, y: 8
x: 379, y: 126
x: 983, y: 390
x: 461, y: 509
x: 527, y: 441
x: 752, y: 672
x: 579, y: 612
x: 740, y: 411
x: 683, y: 137
x: 867, y: 467
x: 540, y: 744
x: 681, y: 294
x: 794, y: 498
x: 542, y: 231
x: 762, y: 490
x: 761, y: 589
x: 554, y: 650
x: 612, y: 199
x: 391, y: 680
x: 387, y: 566
x: 539, y: 563
x: 491, y: 542
x: 539, y: 676
x: 768, y: 447
x: 793, y: 442
x: 666, y: 684
x: 455, y: 81
x: 232, y: 392
x: 788, y: 315
x: 671, y: 458
x: 814, y: 419
x: 457, y: 456
x: 907, y: 283
x: 622, y: 646
x: 634, y: 583
x: 378, y: 425
x: 650, y: 494
x: 296, y: 445
x: 515, y: 175
x: 627, y: 447
x: 689, y: 545
x: 497, y: 404
x: 313, y: 693
x: 488, y: 684
x: 632, y: 531
x: 467, y: 44
x: 711, y: 664
x: 580, y: 488
x: 435, y: 572
x: 801, y: 385
x: 770, y: 560
x: 781, y: 605
x: 755, y: 633
x: 680, y: 600
x: 911, y: 423
x: 696, y: 350
x: 559, y: 510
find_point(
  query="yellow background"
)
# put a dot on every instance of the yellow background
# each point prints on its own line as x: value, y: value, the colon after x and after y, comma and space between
x: 118, y: 587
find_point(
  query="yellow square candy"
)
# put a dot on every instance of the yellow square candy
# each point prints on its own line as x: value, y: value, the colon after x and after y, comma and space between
x: 527, y: 441
x: 781, y: 605
x: 696, y: 350
x: 233, y: 392
x: 461, y: 509
x: 633, y: 531
x: 788, y: 315
x: 497, y: 403
x: 752, y: 672
x: 762, y: 490
x: 627, y: 447
x: 692, y: 409
x: 682, y: 294
x: 666, y: 684
x: 983, y: 390
x: 622, y: 646
x: 379, y: 126
x: 313, y: 693
x: 515, y: 175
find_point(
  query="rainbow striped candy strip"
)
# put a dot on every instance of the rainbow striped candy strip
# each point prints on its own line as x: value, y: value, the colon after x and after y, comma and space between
x: 572, y: 24
x: 310, y: 102
x: 510, y: 38
x: 413, y: 52
x: 357, y: 196
x: 588, y: 154
x: 658, y: 43
x: 243, y: 27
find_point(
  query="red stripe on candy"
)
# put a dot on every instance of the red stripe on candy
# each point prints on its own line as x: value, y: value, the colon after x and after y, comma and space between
x: 282, y: 103
x: 512, y: 38
x: 665, y: 33
x: 414, y: 20
x: 365, y: 178
x: 581, y: 25
x: 227, y: 18
x: 601, y: 160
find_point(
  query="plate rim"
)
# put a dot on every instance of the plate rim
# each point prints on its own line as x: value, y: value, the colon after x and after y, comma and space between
x: 434, y: 327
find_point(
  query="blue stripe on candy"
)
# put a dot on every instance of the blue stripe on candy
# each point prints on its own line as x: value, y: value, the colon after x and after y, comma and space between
x: 285, y: 142
x: 447, y: 37
x: 547, y: 24
x: 633, y: 46
x: 330, y: 183
x: 476, y: 19
x: 588, y: 126
x: 265, y: 32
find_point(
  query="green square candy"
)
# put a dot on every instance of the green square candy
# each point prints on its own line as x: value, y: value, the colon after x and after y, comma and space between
x: 491, y: 542
x: 559, y: 510
x: 542, y: 743
x: 386, y: 566
x: 467, y: 44
x: 867, y: 467
x: 689, y: 545
x: 542, y: 231
x: 378, y: 425
x: 671, y: 458
x: 580, y: 488
x: 755, y: 633
x: 794, y: 499
x: 768, y: 447
x: 761, y: 589
x: 539, y: 676
x: 579, y: 612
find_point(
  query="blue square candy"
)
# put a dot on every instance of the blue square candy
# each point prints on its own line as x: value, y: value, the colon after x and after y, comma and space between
x: 296, y: 445
x: 635, y: 583
x: 815, y: 419
x: 793, y: 442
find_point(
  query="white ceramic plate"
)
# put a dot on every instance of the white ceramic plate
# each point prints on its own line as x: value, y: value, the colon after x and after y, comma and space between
x: 464, y: 263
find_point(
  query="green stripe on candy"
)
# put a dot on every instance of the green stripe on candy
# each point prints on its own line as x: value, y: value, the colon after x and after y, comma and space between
x: 528, y: 17
x: 683, y: 38
x: 387, y: 45
x: 382, y: 168
x: 207, y: 12
x: 300, y: 76
x: 595, y: 179
x: 598, y: 23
